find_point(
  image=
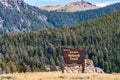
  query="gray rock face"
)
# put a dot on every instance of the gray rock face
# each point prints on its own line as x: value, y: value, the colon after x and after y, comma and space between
x: 1, y: 72
x: 1, y: 55
x: 12, y: 1
x: 98, y: 70
x: 12, y: 4
x: 47, y: 68
x: 1, y: 23
x: 73, y: 69
x: 89, y: 66
x: 17, y: 16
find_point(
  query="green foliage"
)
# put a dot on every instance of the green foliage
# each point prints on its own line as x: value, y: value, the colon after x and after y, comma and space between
x: 29, y: 18
x: 100, y: 39
x: 61, y: 19
x: 22, y: 67
x: 12, y: 66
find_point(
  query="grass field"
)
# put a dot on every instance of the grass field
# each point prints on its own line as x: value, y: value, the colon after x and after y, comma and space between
x: 59, y: 76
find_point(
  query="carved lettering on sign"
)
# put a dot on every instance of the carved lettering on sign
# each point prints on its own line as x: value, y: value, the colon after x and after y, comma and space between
x: 71, y: 55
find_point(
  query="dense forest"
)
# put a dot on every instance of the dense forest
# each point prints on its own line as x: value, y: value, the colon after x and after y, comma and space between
x: 61, y: 19
x: 24, y: 17
x: 32, y: 51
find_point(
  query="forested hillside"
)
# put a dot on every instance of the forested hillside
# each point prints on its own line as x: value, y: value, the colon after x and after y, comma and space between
x: 100, y: 39
x: 17, y: 16
x: 60, y: 19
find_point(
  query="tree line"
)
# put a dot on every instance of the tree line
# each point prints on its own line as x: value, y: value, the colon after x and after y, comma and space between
x: 33, y: 51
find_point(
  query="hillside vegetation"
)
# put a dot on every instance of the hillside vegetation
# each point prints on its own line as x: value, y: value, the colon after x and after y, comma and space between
x: 100, y: 39
x: 21, y: 17
x: 61, y: 19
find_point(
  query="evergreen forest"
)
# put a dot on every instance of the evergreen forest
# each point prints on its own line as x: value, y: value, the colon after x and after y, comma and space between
x: 32, y: 51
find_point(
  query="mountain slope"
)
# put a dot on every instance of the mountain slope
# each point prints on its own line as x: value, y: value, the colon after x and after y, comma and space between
x: 100, y: 39
x: 17, y: 16
x: 60, y: 19
x: 71, y: 7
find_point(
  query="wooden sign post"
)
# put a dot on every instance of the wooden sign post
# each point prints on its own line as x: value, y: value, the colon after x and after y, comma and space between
x: 73, y: 57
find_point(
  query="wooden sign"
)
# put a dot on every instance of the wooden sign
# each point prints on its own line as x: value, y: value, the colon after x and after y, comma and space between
x: 73, y: 56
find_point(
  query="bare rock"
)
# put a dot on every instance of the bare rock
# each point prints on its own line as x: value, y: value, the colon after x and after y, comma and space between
x: 73, y: 69
x: 89, y: 66
x: 98, y: 70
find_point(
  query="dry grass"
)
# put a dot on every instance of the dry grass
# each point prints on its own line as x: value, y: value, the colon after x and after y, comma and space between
x: 58, y: 76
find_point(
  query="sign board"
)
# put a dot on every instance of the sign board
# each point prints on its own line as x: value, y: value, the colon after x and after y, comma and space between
x: 73, y: 56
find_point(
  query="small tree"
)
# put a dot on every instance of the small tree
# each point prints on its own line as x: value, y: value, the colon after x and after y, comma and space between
x: 22, y: 67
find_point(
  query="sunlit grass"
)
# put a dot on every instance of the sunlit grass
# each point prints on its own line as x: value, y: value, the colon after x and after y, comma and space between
x: 59, y: 76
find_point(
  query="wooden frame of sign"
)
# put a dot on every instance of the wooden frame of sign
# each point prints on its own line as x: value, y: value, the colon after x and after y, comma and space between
x: 73, y: 57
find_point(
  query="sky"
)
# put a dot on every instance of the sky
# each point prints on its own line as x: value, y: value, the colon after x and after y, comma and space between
x: 57, y: 2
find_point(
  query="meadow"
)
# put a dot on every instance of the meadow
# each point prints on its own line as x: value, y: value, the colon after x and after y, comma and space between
x: 59, y: 76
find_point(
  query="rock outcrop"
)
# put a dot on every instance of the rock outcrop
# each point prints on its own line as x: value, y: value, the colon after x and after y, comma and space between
x: 86, y: 67
x: 12, y: 4
x: 98, y: 70
x: 89, y: 66
x: 73, y: 69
